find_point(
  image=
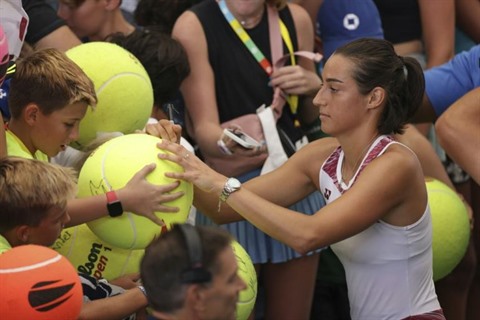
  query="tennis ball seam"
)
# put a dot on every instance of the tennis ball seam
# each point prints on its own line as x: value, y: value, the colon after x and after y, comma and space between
x: 75, y: 234
x: 119, y: 75
x: 127, y: 214
x: 127, y: 261
x: 246, y: 301
x: 34, y: 266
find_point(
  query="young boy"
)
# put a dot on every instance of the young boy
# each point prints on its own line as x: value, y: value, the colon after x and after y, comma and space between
x: 33, y: 198
x: 48, y: 97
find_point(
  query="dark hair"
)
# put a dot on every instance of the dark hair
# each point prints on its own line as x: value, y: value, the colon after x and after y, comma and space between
x: 167, y: 257
x: 160, y: 15
x: 163, y: 58
x: 377, y: 65
x: 78, y: 3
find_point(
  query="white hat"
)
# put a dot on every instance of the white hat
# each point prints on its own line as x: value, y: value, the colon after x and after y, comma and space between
x: 14, y: 21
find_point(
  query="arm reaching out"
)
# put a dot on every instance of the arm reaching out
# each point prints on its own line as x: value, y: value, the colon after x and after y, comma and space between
x: 116, y: 307
x: 138, y: 196
x: 267, y: 207
x: 458, y: 131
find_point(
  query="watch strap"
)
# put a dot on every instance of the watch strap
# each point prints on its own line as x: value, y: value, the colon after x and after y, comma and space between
x: 112, y: 196
x: 114, y: 206
x: 225, y: 193
x: 227, y: 190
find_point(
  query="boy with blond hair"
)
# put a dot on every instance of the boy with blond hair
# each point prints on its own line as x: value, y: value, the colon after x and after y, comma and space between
x: 33, y: 198
x: 49, y: 95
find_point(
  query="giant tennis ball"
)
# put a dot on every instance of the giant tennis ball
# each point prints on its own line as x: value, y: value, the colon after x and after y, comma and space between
x: 450, y: 225
x: 246, y: 271
x: 90, y: 255
x: 38, y: 283
x: 124, y: 90
x: 111, y: 166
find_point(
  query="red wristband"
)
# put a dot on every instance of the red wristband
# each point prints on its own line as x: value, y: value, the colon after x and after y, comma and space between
x: 111, y: 196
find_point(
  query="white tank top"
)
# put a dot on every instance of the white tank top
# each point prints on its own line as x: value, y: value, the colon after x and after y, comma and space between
x: 388, y: 268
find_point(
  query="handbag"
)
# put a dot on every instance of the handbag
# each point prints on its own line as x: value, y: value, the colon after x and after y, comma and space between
x: 262, y: 125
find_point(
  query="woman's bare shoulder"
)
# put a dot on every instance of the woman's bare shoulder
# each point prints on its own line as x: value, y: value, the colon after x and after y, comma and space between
x: 317, y: 150
x: 324, y: 145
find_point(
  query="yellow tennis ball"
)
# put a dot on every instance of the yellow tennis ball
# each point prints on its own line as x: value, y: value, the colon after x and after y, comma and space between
x: 450, y: 226
x: 246, y: 271
x: 90, y: 255
x: 110, y: 167
x: 123, y: 87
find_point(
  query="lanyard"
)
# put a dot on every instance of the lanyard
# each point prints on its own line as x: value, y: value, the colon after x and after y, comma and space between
x: 257, y: 54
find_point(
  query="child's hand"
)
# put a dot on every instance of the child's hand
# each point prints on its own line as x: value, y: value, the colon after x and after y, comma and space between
x: 165, y: 129
x: 144, y: 198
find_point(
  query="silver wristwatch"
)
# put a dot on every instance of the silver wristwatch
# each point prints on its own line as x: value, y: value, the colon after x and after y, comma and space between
x: 230, y: 187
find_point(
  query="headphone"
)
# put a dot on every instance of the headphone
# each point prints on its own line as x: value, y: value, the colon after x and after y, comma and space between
x: 195, y: 273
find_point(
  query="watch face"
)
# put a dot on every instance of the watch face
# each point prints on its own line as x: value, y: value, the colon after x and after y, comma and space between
x: 115, y: 209
x: 234, y: 183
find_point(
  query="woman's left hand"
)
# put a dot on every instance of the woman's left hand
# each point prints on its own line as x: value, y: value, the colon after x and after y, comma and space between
x: 195, y: 170
x: 296, y: 80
